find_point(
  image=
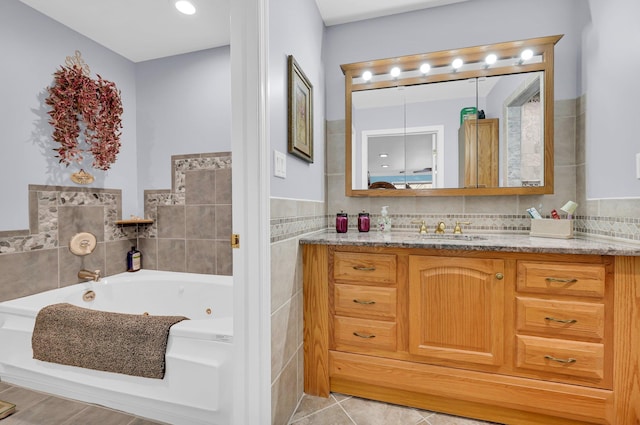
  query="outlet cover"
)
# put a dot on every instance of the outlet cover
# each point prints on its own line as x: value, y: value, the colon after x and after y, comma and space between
x: 279, y: 164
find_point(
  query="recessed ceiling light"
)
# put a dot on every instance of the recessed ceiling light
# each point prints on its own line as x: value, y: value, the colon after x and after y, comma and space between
x: 185, y: 6
x: 383, y: 155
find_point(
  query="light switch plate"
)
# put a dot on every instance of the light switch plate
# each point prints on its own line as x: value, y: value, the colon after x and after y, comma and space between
x: 638, y: 165
x: 279, y: 164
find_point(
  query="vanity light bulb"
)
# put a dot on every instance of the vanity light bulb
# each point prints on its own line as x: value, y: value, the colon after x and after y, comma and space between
x: 367, y: 75
x: 425, y: 68
x: 490, y: 59
x: 457, y: 63
x: 185, y: 6
x: 395, y: 72
x: 526, y: 54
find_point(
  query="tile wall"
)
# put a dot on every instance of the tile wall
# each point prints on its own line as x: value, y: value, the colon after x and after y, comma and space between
x: 290, y: 220
x: 191, y: 231
x: 39, y: 259
x: 192, y: 221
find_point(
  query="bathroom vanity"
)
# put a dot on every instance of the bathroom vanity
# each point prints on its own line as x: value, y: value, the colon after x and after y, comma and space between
x: 511, y: 329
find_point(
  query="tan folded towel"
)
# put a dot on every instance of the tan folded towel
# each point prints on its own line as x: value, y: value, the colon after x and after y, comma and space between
x: 113, y: 342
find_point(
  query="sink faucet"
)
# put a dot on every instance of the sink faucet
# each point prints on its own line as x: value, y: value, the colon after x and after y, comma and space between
x: 440, y: 227
x: 89, y: 275
x: 458, y: 230
x: 423, y: 227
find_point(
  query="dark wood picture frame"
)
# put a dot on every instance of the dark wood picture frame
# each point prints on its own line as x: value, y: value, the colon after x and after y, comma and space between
x: 299, y: 112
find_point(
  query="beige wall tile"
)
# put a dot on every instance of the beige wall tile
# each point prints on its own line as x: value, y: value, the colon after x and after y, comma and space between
x: 116, y: 256
x: 200, y: 221
x: 286, y: 264
x: 171, y: 221
x: 200, y: 187
x: 283, y: 397
x: 171, y: 255
x: 224, y: 258
x: 27, y: 273
x: 201, y: 256
x: 75, y: 219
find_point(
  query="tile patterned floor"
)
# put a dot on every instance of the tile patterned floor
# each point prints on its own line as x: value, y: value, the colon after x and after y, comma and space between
x: 341, y: 409
x: 36, y: 408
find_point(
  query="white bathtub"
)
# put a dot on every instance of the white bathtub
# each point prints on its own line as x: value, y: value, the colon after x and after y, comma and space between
x: 198, y: 378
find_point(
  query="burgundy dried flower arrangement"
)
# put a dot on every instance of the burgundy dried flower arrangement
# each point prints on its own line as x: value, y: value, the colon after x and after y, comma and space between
x: 76, y: 97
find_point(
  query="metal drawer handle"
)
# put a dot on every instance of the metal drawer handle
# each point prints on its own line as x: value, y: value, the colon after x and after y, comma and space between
x: 364, y: 268
x: 363, y: 302
x: 553, y: 319
x: 558, y: 280
x: 563, y: 361
x: 366, y: 336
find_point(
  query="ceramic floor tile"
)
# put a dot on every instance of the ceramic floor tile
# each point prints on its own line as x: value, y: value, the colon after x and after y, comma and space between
x: 51, y: 410
x: 367, y: 412
x: 333, y: 415
x: 310, y: 404
x: 140, y: 421
x: 98, y: 415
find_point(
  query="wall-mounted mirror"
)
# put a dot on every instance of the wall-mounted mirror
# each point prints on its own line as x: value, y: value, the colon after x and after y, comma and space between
x: 423, y: 125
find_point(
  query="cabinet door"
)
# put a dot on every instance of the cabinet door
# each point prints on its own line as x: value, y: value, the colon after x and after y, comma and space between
x: 456, y: 309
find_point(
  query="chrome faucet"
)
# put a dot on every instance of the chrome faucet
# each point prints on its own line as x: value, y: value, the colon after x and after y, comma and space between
x: 89, y: 275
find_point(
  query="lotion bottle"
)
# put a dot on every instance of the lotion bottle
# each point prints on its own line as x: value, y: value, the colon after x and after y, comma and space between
x: 384, y: 223
x: 134, y: 260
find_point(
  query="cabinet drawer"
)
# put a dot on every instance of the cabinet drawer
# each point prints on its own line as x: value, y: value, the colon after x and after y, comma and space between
x: 586, y: 280
x: 364, y: 267
x: 559, y: 357
x: 560, y: 318
x: 365, y: 301
x: 373, y: 334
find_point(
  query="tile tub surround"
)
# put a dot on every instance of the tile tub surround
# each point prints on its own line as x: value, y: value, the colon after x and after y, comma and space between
x: 38, y: 259
x: 192, y: 220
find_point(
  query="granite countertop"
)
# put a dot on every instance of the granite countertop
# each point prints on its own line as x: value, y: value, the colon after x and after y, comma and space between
x: 476, y: 242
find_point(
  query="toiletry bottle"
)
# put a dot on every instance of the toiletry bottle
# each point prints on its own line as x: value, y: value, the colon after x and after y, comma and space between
x: 342, y: 222
x: 384, y: 223
x: 363, y: 221
x: 134, y: 260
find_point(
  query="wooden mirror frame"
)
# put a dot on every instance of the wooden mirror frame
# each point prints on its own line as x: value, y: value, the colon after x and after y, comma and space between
x: 542, y: 46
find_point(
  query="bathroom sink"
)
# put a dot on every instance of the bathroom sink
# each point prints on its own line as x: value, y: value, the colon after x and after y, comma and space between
x: 450, y: 236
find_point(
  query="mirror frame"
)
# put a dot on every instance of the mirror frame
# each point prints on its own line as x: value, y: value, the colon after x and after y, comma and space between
x: 541, y: 46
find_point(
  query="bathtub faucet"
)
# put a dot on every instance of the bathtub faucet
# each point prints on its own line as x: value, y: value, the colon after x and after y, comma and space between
x: 89, y: 275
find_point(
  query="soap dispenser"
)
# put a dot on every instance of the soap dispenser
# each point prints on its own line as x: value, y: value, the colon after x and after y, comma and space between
x: 384, y: 223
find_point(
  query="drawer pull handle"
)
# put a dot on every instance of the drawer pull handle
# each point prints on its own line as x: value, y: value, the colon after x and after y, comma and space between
x: 366, y: 302
x: 366, y: 336
x: 558, y: 280
x: 364, y: 268
x: 563, y: 361
x: 553, y: 319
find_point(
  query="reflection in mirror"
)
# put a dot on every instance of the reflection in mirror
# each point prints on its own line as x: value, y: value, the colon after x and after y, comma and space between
x: 479, y: 130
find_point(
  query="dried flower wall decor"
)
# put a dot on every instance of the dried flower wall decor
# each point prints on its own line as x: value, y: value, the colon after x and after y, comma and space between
x: 78, y: 101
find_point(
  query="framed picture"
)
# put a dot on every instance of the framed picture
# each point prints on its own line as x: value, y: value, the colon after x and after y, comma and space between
x: 300, y: 112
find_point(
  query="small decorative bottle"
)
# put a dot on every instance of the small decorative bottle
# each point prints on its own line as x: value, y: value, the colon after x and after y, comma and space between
x: 384, y: 223
x: 363, y: 221
x: 342, y: 222
x: 134, y: 260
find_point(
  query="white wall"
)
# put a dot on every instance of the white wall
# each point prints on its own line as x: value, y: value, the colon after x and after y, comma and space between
x: 32, y: 47
x: 296, y: 28
x: 611, y: 62
x: 184, y: 106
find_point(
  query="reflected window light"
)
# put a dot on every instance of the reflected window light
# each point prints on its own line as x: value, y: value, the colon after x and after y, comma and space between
x: 425, y: 68
x: 367, y: 75
x: 457, y: 63
x: 395, y: 72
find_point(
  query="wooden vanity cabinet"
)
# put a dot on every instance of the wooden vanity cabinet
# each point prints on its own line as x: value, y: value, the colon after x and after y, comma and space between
x: 514, y: 338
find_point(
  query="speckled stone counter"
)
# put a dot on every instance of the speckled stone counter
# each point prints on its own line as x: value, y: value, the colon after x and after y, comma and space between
x: 476, y: 242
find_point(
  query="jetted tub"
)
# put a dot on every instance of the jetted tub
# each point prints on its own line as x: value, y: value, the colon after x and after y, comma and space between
x: 196, y: 386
